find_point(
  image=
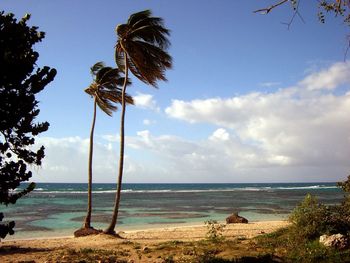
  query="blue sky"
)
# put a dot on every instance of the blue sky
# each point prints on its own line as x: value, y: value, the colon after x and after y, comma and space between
x: 247, y: 99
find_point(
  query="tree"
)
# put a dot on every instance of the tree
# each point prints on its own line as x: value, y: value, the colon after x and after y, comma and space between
x: 106, y: 93
x: 141, y: 47
x: 337, y: 7
x: 20, y: 81
x: 345, y: 186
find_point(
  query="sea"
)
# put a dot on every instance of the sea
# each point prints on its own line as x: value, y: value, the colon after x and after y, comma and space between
x: 57, y: 209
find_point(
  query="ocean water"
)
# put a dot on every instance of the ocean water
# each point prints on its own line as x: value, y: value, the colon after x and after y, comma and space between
x: 59, y: 209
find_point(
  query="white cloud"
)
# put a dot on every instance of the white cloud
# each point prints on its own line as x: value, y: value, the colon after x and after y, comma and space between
x: 220, y: 134
x: 289, y: 127
x: 146, y: 101
x: 330, y: 78
x: 148, y: 122
x: 270, y: 84
x: 111, y: 138
x: 66, y: 160
x: 222, y: 157
x: 293, y: 134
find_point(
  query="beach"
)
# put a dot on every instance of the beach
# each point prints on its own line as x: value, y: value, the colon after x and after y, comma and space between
x: 150, y: 245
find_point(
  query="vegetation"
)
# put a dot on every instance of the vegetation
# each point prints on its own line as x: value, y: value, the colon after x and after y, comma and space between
x: 335, y: 7
x: 311, y: 219
x: 215, y: 230
x: 106, y: 93
x: 141, y: 48
x: 289, y: 246
x: 179, y: 252
x: 20, y: 81
x: 92, y: 255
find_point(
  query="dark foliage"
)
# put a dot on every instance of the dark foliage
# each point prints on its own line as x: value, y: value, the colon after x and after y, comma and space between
x: 105, y: 87
x: 6, y: 228
x: 335, y: 7
x: 144, y: 40
x: 20, y: 81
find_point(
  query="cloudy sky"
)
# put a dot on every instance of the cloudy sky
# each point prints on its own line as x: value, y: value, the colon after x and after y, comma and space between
x: 247, y: 99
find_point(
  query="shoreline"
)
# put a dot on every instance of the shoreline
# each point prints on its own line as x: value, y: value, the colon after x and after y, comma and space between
x: 53, y: 230
x: 142, y: 245
x: 68, y: 233
x: 131, y: 231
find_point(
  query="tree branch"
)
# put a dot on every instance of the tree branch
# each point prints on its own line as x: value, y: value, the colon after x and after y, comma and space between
x: 267, y: 10
x: 296, y: 13
x: 347, y: 48
x: 295, y: 4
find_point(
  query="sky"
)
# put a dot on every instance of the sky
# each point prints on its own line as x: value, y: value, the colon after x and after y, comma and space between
x: 247, y: 100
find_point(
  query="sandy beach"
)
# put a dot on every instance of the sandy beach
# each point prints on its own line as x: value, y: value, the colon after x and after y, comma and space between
x: 134, y: 246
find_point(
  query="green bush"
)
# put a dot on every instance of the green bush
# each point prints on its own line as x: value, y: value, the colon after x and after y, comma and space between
x: 312, y: 219
x: 309, y: 218
x: 289, y: 246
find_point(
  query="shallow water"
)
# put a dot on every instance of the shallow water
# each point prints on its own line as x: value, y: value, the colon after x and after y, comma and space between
x: 59, y: 209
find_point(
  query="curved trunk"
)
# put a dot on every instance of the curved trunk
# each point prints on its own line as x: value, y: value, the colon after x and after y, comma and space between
x: 110, y: 229
x: 87, y: 223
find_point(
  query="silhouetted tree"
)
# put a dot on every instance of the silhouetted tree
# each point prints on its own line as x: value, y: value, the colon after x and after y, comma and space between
x: 20, y: 81
x: 336, y: 7
x: 141, y: 47
x: 106, y: 93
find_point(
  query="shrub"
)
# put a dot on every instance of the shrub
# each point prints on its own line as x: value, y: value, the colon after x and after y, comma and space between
x: 308, y: 217
x: 215, y: 230
x: 312, y: 219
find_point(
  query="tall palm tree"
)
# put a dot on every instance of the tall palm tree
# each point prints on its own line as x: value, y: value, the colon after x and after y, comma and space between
x: 141, y: 47
x: 106, y: 93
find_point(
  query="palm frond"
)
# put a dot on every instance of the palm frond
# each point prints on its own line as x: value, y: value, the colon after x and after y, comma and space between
x: 116, y: 97
x: 105, y: 88
x: 101, y: 74
x: 91, y: 89
x: 144, y: 40
x: 134, y: 18
x: 148, y: 62
x: 96, y: 67
x: 154, y: 34
x: 129, y: 99
x: 110, y: 76
x: 104, y: 104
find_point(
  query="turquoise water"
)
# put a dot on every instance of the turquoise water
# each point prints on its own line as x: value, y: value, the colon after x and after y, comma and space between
x: 59, y: 209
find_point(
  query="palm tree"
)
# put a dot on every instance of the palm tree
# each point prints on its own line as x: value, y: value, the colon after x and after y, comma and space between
x: 104, y: 89
x: 141, y: 47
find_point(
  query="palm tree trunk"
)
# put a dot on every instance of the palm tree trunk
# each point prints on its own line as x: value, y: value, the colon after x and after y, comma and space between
x: 110, y: 229
x: 87, y: 223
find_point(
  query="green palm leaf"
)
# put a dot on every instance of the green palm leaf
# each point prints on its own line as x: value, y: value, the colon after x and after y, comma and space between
x: 105, y: 88
x: 144, y: 39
